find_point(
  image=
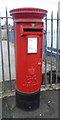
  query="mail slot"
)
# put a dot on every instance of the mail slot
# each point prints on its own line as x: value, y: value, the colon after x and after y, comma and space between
x: 29, y: 29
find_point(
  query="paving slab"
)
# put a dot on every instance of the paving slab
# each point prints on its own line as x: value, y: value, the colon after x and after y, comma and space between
x: 49, y: 103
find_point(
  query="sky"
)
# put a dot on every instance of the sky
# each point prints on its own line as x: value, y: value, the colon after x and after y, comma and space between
x: 49, y: 5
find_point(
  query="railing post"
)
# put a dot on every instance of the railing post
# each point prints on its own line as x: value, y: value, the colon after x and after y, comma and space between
x: 8, y: 47
x: 14, y: 42
x: 1, y: 53
x: 51, y: 46
x: 46, y: 51
x: 57, y: 51
x: 14, y: 45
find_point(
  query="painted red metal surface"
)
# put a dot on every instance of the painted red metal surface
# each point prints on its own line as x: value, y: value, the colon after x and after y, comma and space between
x: 28, y: 25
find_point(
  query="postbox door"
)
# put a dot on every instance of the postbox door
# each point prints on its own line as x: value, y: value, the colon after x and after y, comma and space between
x: 34, y: 62
x: 28, y: 62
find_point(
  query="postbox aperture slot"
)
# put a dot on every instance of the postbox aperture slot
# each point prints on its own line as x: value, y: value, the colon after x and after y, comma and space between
x: 32, y: 30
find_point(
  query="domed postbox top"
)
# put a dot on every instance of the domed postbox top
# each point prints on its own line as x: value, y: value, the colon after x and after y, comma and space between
x: 28, y: 13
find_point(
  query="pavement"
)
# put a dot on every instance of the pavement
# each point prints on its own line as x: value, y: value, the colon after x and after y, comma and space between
x: 49, y: 106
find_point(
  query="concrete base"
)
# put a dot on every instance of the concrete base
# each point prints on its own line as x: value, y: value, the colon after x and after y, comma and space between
x: 27, y: 101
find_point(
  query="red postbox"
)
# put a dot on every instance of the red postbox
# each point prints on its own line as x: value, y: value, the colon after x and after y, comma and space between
x: 29, y: 30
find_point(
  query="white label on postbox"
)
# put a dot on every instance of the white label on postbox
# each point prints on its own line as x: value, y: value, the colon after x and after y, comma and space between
x: 32, y: 45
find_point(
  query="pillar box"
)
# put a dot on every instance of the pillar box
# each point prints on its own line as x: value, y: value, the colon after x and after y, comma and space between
x: 29, y: 29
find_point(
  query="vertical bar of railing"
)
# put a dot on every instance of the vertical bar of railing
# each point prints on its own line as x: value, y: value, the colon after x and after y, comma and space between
x: 51, y: 46
x: 57, y: 52
x: 1, y: 53
x: 14, y: 40
x: 8, y: 47
x: 14, y: 45
x: 46, y: 50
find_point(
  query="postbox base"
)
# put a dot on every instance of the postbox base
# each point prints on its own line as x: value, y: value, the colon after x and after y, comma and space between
x: 29, y: 101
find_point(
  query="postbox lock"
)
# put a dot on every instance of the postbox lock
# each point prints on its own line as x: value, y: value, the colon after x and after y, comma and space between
x: 33, y: 25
